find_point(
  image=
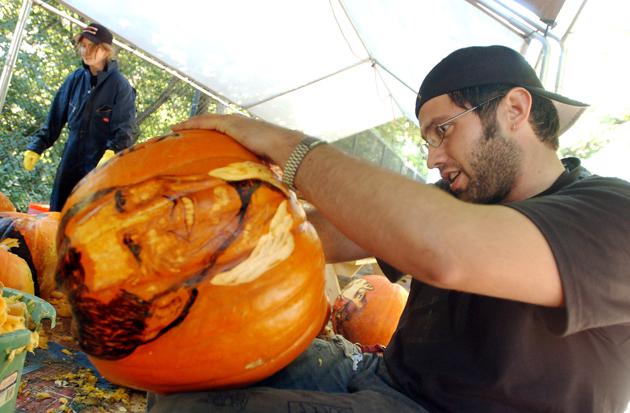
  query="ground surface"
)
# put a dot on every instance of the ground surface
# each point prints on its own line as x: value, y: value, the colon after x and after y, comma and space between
x: 60, y: 378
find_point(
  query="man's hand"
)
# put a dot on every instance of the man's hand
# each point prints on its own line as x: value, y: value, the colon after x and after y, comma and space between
x: 264, y: 139
x: 30, y: 159
x: 106, y: 157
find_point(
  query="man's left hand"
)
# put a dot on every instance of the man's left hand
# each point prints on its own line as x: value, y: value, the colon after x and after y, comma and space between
x: 269, y: 141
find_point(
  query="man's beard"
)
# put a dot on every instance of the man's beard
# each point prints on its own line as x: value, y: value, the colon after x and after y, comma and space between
x: 494, y: 165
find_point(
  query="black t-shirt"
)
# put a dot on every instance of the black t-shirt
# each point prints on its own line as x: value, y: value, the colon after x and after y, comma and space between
x: 460, y: 352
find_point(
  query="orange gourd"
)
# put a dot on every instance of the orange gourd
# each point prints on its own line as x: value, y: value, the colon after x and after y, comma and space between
x: 36, y: 244
x: 14, y: 271
x: 5, y: 203
x: 188, y: 266
x: 368, y: 309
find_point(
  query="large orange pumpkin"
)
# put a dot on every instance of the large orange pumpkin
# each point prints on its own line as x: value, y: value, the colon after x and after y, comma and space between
x: 189, y: 266
x: 36, y: 244
x: 368, y: 309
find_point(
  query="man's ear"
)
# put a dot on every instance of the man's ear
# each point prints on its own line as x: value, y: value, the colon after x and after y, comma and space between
x: 519, y: 104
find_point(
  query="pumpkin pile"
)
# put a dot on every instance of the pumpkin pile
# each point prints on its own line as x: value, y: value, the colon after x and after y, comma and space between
x: 14, y: 316
x: 189, y: 266
x: 368, y: 309
x: 28, y: 251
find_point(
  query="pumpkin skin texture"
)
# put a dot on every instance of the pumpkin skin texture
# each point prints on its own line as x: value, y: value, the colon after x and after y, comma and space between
x: 368, y: 309
x: 14, y: 272
x: 188, y: 266
x: 36, y: 244
x: 5, y: 203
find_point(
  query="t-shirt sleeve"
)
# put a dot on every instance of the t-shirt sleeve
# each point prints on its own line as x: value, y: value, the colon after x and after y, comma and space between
x: 587, y: 226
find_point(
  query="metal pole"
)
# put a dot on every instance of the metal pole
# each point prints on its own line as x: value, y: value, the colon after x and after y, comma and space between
x: 530, y: 29
x: 544, y: 32
x: 195, y: 103
x: 560, y: 72
x: 18, y: 34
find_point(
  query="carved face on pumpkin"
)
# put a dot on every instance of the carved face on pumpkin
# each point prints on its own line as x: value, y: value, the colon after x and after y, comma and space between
x: 144, y: 257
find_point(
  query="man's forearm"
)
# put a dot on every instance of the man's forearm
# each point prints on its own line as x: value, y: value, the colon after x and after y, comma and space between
x: 337, y: 247
x: 357, y: 198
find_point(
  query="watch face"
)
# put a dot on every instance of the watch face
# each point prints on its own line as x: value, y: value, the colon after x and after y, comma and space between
x: 310, y: 141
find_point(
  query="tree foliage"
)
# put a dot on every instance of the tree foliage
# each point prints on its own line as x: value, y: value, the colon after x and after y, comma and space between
x: 404, y: 138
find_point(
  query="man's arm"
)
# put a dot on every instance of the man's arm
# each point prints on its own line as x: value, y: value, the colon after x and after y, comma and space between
x: 123, y: 117
x: 485, y: 249
x: 56, y: 118
x: 337, y: 247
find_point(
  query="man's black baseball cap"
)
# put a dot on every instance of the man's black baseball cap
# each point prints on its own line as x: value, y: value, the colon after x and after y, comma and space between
x: 479, y: 66
x: 97, y: 33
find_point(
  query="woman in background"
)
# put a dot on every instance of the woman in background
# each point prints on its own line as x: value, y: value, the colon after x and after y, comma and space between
x: 98, y: 104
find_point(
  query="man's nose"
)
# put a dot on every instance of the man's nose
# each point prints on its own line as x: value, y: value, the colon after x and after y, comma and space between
x: 435, y: 156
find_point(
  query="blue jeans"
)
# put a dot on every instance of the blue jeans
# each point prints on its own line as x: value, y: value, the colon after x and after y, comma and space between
x: 331, y: 376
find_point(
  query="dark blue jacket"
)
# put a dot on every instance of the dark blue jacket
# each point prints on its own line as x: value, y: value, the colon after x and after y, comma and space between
x: 99, y: 118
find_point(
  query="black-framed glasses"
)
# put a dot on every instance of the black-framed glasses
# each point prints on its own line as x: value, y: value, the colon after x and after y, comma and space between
x: 436, y: 138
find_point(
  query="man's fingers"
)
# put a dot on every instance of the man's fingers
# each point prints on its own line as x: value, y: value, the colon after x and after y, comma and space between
x: 191, y: 124
x: 207, y: 121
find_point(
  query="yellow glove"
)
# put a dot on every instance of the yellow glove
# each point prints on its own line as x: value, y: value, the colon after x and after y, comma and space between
x: 30, y: 159
x: 106, y: 157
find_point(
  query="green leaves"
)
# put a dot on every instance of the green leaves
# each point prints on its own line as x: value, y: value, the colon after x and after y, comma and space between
x: 404, y: 138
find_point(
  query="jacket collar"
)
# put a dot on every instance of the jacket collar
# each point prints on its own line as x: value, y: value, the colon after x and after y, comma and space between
x: 110, y: 67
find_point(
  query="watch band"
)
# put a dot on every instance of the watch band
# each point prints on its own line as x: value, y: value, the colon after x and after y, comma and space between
x: 295, y: 159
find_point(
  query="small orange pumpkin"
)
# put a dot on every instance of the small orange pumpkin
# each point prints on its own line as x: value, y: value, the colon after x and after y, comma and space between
x: 5, y: 203
x: 189, y: 266
x: 36, y: 244
x: 14, y: 271
x: 368, y: 309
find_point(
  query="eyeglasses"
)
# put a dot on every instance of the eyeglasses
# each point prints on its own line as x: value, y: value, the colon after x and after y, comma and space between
x: 435, y: 139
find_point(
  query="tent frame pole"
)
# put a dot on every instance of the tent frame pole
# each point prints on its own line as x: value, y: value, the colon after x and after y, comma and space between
x: 16, y: 41
x: 531, y: 29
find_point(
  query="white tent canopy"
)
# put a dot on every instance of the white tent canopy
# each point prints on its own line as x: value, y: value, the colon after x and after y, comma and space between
x: 330, y: 68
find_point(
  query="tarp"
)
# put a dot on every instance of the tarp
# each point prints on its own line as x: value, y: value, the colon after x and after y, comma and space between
x: 329, y: 68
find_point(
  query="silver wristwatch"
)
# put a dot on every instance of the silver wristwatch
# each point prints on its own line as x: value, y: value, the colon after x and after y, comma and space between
x: 295, y: 159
